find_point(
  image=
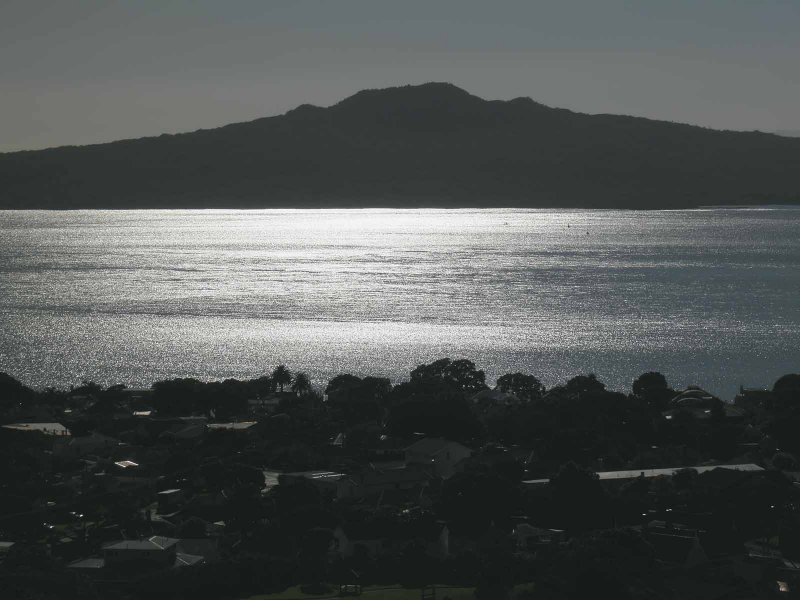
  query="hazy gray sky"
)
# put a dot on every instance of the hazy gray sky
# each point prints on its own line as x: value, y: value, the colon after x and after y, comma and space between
x: 81, y: 71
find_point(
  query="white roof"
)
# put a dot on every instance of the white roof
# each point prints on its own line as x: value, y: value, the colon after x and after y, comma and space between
x: 157, y: 542
x: 671, y: 471
x: 232, y: 426
x: 634, y: 473
x: 318, y: 475
x: 46, y: 428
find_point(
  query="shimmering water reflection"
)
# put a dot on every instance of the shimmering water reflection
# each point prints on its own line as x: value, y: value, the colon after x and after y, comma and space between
x: 705, y: 296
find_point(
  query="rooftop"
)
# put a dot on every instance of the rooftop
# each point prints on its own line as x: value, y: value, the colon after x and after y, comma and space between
x: 157, y: 542
x: 87, y: 563
x: 187, y: 560
x: 126, y: 464
x: 231, y: 426
x: 46, y: 428
x: 430, y: 446
x: 634, y: 473
x: 317, y: 475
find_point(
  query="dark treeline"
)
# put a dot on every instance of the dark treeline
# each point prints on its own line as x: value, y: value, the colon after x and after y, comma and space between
x: 530, y: 465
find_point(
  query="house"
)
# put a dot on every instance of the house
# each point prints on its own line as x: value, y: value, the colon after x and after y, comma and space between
x: 140, y: 395
x: 693, y: 396
x: 781, y: 575
x: 677, y: 549
x: 729, y: 411
x: 754, y: 400
x: 127, y: 473
x: 376, y: 538
x: 184, y: 431
x: 76, y: 447
x: 125, y: 466
x: 240, y: 427
x: 207, y: 548
x: 492, y: 456
x: 494, y: 400
x: 650, y: 473
x: 55, y: 429
x: 267, y: 405
x: 330, y: 483
x: 375, y: 480
x: 90, y: 567
x: 528, y: 537
x: 440, y: 454
x: 386, y: 449
x: 157, y: 549
x: 170, y: 500
x: 700, y: 404
x: 5, y: 549
x: 154, y: 553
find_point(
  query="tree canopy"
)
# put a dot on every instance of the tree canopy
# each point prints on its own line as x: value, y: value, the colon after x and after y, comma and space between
x: 525, y: 387
x: 461, y: 373
x: 282, y: 376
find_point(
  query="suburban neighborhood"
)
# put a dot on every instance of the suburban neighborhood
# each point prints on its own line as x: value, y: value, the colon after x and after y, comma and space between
x: 241, y: 489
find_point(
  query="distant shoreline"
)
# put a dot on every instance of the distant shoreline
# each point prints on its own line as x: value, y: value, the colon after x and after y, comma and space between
x: 790, y: 205
x: 750, y: 206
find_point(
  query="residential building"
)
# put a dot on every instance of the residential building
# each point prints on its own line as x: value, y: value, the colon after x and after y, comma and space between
x: 55, y: 429
x: 440, y: 454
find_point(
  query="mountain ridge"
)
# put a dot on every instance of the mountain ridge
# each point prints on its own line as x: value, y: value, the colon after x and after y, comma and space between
x: 425, y: 145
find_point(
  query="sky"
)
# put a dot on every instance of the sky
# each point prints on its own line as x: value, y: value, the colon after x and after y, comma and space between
x: 85, y: 71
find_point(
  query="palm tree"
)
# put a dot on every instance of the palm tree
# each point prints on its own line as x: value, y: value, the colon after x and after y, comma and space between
x: 301, y: 384
x: 281, y: 376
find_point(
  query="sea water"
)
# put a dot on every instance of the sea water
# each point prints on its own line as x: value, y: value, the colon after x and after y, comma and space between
x: 707, y: 297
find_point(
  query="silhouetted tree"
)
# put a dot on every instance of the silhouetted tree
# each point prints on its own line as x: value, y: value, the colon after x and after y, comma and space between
x: 652, y: 387
x: 313, y: 557
x: 436, y: 407
x: 787, y: 383
x: 176, y: 396
x: 461, y: 373
x: 342, y: 383
x: 474, y: 498
x: 13, y: 394
x: 359, y: 400
x: 301, y: 384
x: 525, y: 387
x: 584, y: 384
x: 787, y: 391
x: 281, y: 376
x: 579, y: 498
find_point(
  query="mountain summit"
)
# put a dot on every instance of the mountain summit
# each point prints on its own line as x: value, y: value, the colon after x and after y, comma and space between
x: 426, y: 145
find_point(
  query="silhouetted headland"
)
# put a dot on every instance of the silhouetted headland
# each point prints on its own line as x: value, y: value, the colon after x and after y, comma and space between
x: 431, y: 145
